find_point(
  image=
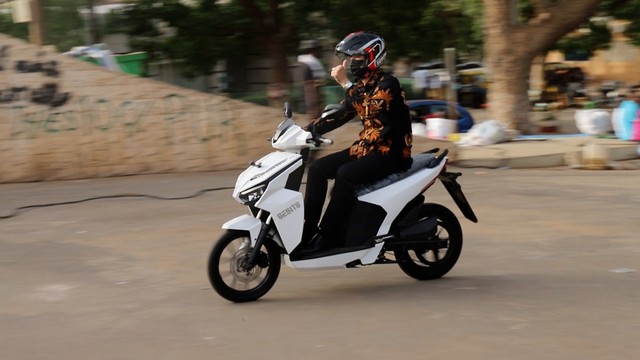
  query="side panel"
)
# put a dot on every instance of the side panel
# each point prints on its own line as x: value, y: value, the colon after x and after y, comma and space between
x: 366, y: 256
x: 287, y: 211
x: 394, y: 197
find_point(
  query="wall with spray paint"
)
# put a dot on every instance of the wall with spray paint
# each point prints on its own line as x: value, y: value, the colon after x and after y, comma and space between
x: 62, y: 118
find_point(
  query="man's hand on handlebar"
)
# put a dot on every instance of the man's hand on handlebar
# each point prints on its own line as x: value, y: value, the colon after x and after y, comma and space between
x: 317, y: 139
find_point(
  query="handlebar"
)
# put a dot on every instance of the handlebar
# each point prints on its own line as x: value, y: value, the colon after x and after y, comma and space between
x: 326, y: 141
x: 318, y: 140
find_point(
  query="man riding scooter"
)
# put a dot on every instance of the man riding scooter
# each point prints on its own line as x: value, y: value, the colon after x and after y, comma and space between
x: 383, y: 146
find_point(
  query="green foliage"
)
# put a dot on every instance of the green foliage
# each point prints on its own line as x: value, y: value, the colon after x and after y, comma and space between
x: 200, y: 35
x: 7, y: 26
x: 595, y: 36
x: 413, y: 28
x: 197, y: 36
x: 599, y: 35
x: 63, y: 26
x: 620, y: 9
x: 625, y: 10
x: 211, y: 30
x: 633, y: 31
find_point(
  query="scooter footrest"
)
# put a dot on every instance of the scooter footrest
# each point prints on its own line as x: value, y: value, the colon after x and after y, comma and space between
x: 328, y: 252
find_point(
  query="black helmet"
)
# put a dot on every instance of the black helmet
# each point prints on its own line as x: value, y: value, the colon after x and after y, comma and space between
x: 363, y: 43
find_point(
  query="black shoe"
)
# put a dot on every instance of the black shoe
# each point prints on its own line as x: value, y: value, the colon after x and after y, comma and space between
x: 317, y: 244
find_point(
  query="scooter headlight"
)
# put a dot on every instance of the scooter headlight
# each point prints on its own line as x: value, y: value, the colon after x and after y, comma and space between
x: 252, y: 195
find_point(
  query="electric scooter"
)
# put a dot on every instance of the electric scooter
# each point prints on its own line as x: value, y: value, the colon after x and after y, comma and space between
x: 390, y: 223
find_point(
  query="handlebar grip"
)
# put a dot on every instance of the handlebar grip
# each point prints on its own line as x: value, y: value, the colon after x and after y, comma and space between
x: 318, y: 140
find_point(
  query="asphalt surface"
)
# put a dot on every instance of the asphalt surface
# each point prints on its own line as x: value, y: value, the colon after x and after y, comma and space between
x: 549, y: 272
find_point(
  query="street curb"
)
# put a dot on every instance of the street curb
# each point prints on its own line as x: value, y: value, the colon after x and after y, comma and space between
x: 551, y: 153
x: 536, y: 161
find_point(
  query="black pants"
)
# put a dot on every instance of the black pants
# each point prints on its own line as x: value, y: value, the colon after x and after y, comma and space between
x: 348, y: 174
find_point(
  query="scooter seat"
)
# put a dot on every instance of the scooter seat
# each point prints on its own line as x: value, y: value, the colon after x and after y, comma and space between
x: 421, y: 161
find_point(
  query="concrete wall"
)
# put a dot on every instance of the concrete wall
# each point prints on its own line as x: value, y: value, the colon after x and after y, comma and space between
x: 62, y: 118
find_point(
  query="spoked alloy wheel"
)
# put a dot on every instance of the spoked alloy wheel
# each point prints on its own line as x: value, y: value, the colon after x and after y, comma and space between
x: 227, y: 271
x: 435, y: 262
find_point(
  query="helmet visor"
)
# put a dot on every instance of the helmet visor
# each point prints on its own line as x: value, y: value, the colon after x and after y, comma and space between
x: 342, y: 56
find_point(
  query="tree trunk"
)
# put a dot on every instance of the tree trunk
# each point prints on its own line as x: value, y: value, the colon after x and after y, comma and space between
x: 278, y: 54
x: 511, y: 46
x: 273, y: 34
x: 278, y: 89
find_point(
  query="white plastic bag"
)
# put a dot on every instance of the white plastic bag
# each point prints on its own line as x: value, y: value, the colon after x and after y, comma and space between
x: 485, y: 133
x: 593, y: 121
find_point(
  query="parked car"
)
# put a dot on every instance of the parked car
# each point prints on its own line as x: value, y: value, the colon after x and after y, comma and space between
x: 422, y: 110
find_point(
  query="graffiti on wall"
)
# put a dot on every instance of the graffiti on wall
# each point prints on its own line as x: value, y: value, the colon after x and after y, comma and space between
x: 47, y: 111
x: 48, y: 68
x: 204, y: 121
x: 48, y: 94
x: 213, y: 123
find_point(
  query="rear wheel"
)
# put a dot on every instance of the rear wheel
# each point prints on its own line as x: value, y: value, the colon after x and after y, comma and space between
x: 227, y: 271
x: 436, y: 261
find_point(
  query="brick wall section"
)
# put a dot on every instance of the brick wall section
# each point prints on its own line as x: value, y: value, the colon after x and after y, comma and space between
x: 63, y: 118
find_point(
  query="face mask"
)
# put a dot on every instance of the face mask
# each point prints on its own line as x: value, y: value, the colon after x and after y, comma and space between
x: 358, y: 68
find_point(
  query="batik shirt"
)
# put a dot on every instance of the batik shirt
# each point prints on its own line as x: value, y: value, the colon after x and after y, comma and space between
x: 380, y: 104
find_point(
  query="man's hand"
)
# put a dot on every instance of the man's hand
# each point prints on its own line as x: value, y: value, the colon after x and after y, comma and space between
x: 339, y: 73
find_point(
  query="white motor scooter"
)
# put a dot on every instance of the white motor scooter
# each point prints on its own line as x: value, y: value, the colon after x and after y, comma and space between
x: 390, y: 222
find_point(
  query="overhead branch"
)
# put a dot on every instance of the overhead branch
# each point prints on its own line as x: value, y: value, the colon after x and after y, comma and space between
x: 554, y: 19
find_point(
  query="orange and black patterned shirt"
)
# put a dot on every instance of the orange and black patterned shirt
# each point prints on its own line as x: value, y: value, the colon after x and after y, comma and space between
x: 380, y: 104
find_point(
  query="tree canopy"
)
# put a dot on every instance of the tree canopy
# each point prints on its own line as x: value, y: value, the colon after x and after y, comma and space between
x: 199, y: 33
x: 208, y: 31
x: 414, y: 28
x: 64, y: 26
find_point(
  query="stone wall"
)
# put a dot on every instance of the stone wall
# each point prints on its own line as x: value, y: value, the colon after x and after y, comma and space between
x: 63, y: 118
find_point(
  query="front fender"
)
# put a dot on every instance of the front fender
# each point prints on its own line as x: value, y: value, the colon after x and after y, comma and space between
x: 246, y: 223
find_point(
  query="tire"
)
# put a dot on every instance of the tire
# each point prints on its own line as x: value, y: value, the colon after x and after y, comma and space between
x: 434, y: 263
x: 227, y: 277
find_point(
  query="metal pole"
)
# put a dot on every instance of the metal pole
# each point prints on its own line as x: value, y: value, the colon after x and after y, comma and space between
x: 94, y: 31
x: 450, y: 63
x: 36, y: 26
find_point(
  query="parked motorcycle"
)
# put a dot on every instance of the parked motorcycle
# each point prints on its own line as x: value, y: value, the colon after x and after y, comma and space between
x: 390, y: 222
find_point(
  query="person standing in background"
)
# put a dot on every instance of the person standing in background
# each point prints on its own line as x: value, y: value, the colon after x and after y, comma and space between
x: 420, y: 78
x: 625, y: 115
x: 313, y: 77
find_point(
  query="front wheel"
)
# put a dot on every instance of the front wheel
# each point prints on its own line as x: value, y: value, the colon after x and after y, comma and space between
x: 227, y: 271
x: 436, y: 261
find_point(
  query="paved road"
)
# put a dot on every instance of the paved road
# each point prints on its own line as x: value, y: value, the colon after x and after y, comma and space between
x: 551, y: 271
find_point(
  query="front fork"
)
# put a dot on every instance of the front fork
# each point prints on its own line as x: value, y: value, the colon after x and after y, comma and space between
x: 255, y: 257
